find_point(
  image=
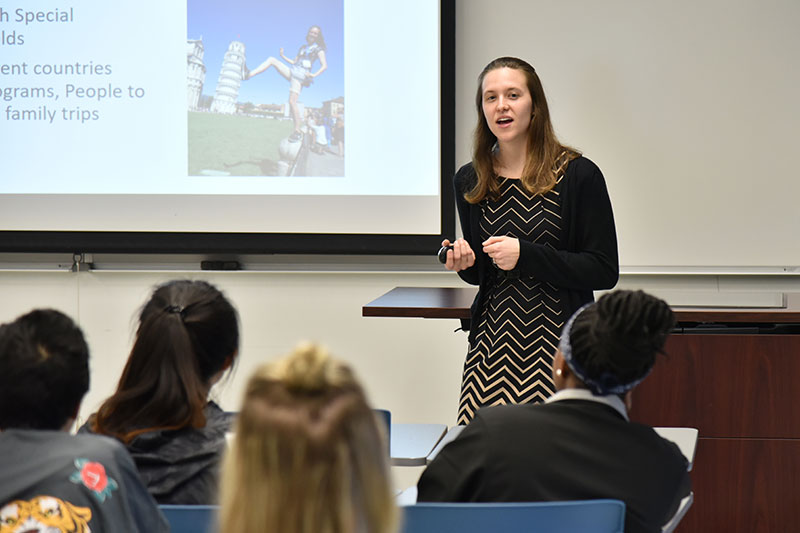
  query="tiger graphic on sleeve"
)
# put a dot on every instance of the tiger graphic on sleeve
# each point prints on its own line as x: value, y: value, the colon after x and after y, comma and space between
x: 44, y: 514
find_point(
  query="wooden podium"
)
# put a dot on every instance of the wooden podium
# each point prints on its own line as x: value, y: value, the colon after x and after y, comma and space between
x: 729, y: 374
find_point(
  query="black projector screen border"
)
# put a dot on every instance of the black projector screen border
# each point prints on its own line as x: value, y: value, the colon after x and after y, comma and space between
x: 151, y: 242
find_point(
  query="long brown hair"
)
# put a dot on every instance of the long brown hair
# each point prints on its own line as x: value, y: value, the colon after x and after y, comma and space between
x: 546, y: 155
x: 309, y: 455
x: 188, y: 332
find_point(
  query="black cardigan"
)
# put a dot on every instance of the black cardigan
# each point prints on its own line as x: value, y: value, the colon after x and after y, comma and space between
x: 586, y: 257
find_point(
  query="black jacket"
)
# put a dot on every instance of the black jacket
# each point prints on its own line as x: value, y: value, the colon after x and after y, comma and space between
x: 586, y: 257
x: 565, y: 450
x: 92, y: 477
x: 182, y: 467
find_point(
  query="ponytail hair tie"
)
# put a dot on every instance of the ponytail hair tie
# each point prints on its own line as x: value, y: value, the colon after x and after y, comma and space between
x: 177, y: 309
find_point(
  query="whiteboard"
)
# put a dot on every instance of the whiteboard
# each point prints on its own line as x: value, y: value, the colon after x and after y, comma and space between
x: 690, y: 108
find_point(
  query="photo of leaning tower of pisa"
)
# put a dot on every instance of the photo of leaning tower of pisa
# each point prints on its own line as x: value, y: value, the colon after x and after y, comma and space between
x: 230, y: 79
x: 268, y: 125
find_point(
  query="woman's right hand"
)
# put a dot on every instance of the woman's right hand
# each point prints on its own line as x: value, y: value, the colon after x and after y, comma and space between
x: 461, y: 257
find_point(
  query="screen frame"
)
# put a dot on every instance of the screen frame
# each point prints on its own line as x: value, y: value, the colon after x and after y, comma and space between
x: 279, y: 243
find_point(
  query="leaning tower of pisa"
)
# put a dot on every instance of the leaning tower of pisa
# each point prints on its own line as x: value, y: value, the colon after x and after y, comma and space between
x: 230, y: 78
x: 195, y: 71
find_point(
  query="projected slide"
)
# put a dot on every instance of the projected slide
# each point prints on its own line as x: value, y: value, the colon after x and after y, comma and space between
x: 302, y: 116
x: 290, y: 120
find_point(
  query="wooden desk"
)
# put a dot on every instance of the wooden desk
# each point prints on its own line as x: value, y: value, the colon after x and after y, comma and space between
x: 454, y: 302
x: 739, y: 390
x: 422, y: 302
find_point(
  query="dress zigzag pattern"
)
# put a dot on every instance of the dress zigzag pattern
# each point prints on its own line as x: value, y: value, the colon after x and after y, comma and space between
x: 510, y: 360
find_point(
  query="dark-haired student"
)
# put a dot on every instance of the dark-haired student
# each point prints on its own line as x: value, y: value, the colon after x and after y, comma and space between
x: 188, y: 337
x: 579, y: 444
x: 51, y: 480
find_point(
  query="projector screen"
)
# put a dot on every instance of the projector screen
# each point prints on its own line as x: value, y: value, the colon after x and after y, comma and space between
x: 244, y: 126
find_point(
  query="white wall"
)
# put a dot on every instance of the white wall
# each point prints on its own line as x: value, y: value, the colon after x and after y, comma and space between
x: 409, y: 366
x: 689, y: 108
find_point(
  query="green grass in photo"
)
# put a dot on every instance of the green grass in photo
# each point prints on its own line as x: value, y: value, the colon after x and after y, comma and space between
x: 235, y: 144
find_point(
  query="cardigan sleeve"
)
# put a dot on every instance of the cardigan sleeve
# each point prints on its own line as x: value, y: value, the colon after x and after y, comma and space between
x: 590, y: 261
x: 463, y: 182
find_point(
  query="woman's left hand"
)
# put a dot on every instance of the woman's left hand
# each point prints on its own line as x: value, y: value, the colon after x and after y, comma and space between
x: 503, y: 250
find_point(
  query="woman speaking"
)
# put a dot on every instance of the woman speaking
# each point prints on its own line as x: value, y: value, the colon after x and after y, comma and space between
x: 539, y: 237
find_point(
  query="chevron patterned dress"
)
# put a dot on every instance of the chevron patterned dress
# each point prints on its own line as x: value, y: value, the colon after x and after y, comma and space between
x: 510, y: 360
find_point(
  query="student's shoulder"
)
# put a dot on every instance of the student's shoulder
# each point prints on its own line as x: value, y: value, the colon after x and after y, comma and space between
x: 62, y: 446
x: 100, y: 447
x: 499, y: 417
x: 656, y: 441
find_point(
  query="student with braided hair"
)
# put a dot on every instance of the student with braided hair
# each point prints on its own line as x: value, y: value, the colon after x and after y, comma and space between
x: 579, y: 444
x: 309, y: 453
x: 188, y: 337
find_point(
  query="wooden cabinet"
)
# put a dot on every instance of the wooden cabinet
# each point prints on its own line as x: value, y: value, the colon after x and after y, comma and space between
x: 741, y: 392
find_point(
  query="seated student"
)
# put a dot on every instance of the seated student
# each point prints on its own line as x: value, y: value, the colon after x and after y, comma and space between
x: 51, y: 480
x: 308, y: 453
x: 188, y: 336
x: 579, y: 444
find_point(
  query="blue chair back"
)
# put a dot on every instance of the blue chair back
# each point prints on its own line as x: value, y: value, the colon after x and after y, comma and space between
x: 386, y: 416
x: 191, y: 518
x: 588, y: 516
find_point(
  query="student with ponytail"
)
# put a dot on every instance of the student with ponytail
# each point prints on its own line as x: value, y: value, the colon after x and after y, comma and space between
x: 579, y: 444
x: 309, y: 453
x: 188, y: 337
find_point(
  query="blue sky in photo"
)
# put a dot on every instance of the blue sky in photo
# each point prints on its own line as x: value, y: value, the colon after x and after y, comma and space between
x: 264, y: 27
